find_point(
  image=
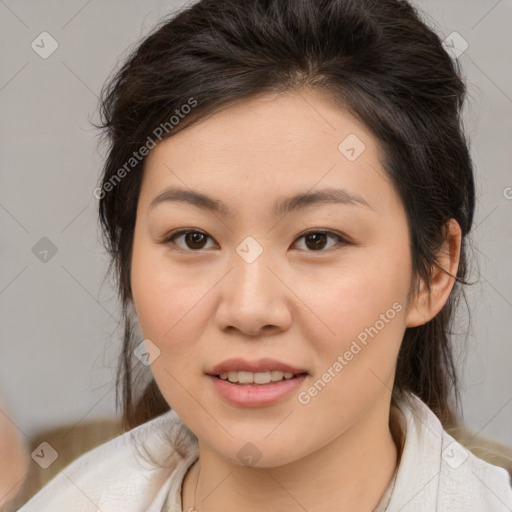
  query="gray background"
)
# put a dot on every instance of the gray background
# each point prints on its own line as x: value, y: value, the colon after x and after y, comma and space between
x: 58, y: 322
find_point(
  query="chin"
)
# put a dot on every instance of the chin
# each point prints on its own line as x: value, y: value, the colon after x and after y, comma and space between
x: 259, y: 453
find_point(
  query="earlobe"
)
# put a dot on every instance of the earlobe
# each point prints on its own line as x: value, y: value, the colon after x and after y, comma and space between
x: 425, y: 304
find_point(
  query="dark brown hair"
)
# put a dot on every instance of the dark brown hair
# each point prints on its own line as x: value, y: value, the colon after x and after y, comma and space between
x: 378, y: 59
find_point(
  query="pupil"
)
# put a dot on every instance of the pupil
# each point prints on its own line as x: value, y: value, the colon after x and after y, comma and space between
x: 318, y: 240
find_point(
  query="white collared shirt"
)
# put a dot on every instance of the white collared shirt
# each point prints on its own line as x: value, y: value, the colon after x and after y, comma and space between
x: 143, y: 470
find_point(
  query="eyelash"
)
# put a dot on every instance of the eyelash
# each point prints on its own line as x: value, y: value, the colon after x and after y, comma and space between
x: 340, y: 240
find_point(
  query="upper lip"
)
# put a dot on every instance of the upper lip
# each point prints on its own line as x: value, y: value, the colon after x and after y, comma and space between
x: 238, y: 364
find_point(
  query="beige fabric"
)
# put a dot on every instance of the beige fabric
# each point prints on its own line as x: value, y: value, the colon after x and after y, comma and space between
x: 70, y: 442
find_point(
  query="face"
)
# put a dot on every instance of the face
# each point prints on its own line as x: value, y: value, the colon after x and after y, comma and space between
x: 250, y: 285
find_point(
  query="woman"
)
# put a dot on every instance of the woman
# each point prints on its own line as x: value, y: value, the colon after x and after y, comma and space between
x: 286, y: 198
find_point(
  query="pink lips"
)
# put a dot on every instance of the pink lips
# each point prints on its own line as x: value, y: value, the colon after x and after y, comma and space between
x: 257, y: 395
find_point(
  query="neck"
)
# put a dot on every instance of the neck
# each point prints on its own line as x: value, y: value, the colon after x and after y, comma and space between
x: 351, y: 473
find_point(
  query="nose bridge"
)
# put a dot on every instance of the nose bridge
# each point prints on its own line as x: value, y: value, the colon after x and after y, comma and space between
x: 251, y: 296
x: 250, y: 260
x: 251, y: 274
x: 252, y: 284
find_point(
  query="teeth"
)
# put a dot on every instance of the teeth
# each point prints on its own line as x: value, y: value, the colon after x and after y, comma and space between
x: 255, y: 377
x: 243, y: 377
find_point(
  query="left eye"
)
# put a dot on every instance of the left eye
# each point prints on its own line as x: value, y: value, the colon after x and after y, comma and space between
x: 316, y: 240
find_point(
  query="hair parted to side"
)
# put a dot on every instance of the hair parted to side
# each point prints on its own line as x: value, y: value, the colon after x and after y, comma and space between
x: 379, y: 60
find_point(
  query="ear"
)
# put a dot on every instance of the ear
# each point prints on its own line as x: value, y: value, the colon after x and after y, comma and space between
x: 425, y: 305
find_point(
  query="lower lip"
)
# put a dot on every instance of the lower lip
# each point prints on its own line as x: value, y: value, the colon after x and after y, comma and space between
x: 256, y: 395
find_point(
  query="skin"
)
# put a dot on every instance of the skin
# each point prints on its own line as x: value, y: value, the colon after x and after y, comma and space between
x: 293, y: 303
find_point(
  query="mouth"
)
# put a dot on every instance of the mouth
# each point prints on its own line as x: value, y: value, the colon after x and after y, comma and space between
x: 255, y: 383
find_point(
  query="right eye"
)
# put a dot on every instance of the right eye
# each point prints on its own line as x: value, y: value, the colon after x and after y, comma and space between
x: 194, y: 240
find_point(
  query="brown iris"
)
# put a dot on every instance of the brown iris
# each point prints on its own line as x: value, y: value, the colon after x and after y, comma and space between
x: 195, y: 240
x: 317, y: 240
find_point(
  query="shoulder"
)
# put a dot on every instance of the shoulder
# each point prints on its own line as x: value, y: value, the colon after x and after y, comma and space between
x: 469, y: 483
x: 132, y: 469
x: 438, y: 473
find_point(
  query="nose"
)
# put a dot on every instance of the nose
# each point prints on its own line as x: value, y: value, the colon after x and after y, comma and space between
x: 253, y: 299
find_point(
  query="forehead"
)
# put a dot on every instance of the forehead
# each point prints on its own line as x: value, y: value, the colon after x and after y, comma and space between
x: 270, y: 146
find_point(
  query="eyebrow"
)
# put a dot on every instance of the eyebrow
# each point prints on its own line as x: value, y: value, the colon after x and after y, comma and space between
x: 281, y: 207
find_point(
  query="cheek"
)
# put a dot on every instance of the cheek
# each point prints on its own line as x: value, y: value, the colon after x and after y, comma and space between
x: 356, y: 363
x: 170, y: 313
x: 362, y: 311
x: 167, y: 301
